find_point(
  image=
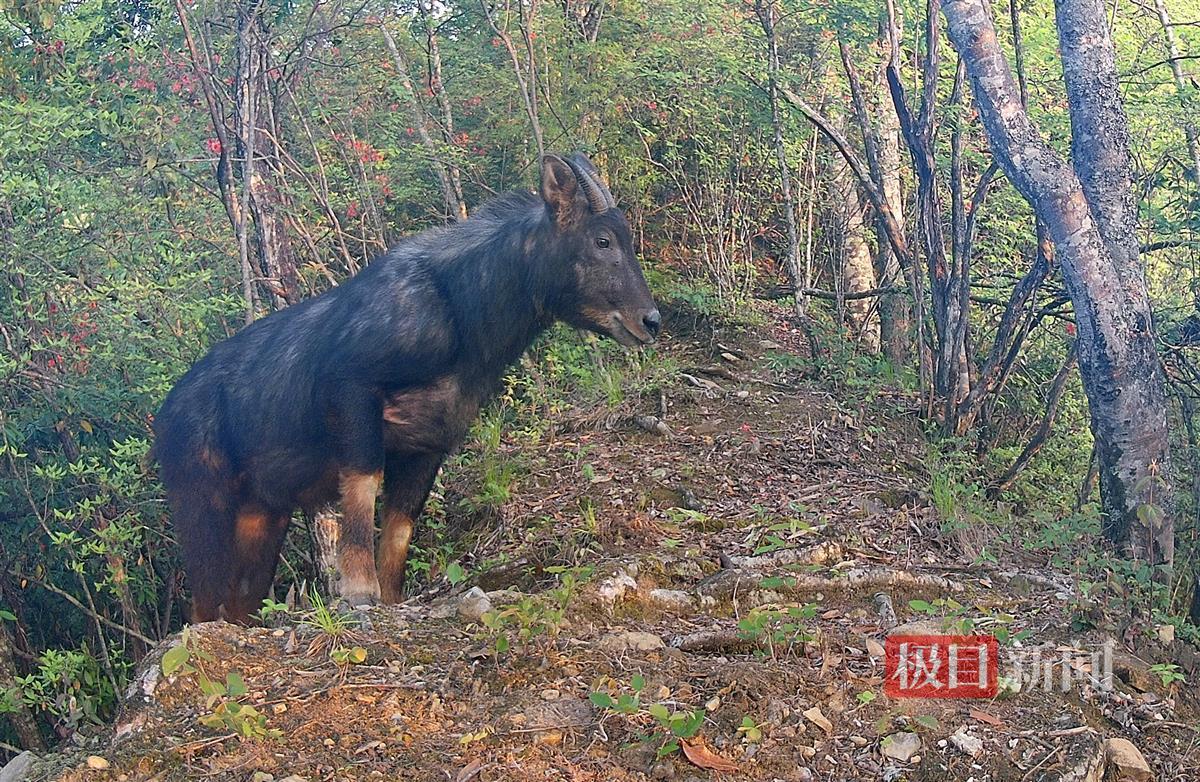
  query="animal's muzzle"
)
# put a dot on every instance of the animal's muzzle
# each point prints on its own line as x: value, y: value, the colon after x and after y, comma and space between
x: 652, y: 321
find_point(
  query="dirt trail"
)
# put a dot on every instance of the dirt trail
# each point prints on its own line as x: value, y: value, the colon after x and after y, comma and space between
x: 732, y: 577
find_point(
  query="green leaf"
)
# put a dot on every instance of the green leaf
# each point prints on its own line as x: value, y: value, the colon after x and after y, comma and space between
x: 638, y: 683
x: 926, y: 721
x: 455, y: 573
x: 602, y: 700
x: 235, y: 685
x: 658, y: 712
x: 920, y: 605
x: 175, y: 658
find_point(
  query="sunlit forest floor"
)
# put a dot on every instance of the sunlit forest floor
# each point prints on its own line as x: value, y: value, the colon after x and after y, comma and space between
x: 686, y: 585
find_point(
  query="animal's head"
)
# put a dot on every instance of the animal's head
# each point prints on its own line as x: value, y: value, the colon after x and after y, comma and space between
x: 603, y: 289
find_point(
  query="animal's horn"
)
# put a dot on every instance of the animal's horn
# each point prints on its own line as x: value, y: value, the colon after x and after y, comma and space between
x: 598, y: 196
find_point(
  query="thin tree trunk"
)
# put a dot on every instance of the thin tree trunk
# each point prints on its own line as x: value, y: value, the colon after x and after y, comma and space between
x: 1038, y: 440
x: 278, y: 277
x: 526, y: 79
x: 1182, y: 88
x: 203, y: 66
x: 421, y: 125
x: 437, y: 87
x: 19, y: 716
x: 857, y: 271
x: 767, y: 13
x: 895, y: 310
x: 1091, y: 220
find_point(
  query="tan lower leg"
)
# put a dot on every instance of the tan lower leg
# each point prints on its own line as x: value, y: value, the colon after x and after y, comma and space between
x: 356, y: 560
x: 393, y: 554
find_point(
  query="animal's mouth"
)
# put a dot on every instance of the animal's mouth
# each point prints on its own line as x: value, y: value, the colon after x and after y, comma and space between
x: 629, y: 337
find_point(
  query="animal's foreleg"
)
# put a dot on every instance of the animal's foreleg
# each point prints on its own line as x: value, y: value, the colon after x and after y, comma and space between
x: 406, y: 485
x: 359, y: 583
x: 258, y: 537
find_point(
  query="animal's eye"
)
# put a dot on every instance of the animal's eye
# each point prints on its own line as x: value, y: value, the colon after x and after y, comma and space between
x: 602, y: 242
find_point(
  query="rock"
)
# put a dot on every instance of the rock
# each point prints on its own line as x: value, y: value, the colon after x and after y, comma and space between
x: 875, y: 649
x: 97, y: 763
x: 901, y: 746
x: 567, y: 711
x: 614, y: 588
x: 663, y: 769
x: 671, y: 599
x: 966, y: 743
x: 1166, y: 634
x: 550, y: 694
x: 815, y: 716
x: 17, y: 769
x: 473, y: 605
x: 549, y: 738
x: 859, y: 741
x: 802, y: 774
x: 712, y: 704
x: 617, y: 643
x: 1124, y: 762
x: 767, y: 344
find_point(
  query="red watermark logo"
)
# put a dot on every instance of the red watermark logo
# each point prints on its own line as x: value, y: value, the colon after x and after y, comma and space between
x: 941, y: 666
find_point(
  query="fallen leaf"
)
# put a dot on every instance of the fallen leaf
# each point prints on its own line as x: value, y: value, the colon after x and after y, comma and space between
x: 983, y: 716
x: 699, y: 754
x: 469, y: 771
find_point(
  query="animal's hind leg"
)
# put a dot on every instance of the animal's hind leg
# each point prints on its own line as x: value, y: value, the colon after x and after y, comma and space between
x: 406, y: 484
x: 258, y: 537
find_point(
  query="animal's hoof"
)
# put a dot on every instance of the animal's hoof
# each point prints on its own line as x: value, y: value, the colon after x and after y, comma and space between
x: 360, y: 596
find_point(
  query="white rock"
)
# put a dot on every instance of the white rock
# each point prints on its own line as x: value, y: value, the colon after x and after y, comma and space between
x: 672, y: 599
x: 630, y: 641
x: 967, y: 744
x: 902, y: 746
x: 614, y: 588
x: 17, y: 769
x: 473, y: 604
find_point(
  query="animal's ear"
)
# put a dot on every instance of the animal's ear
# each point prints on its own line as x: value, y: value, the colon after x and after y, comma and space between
x: 560, y: 190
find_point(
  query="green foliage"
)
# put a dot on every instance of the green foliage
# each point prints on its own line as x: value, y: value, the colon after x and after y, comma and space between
x: 223, y: 700
x: 778, y: 630
x: 667, y: 725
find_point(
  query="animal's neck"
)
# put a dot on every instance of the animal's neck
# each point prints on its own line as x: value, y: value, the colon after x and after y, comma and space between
x: 498, y: 289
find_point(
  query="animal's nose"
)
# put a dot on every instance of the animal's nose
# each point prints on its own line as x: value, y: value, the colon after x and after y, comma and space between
x: 652, y: 320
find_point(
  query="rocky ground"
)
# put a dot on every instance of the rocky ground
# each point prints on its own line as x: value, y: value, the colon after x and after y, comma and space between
x: 690, y: 584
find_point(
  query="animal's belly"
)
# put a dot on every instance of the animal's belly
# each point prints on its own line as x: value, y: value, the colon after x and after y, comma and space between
x: 430, y: 419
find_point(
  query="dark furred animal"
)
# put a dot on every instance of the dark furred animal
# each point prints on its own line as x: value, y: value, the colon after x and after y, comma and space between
x: 370, y: 385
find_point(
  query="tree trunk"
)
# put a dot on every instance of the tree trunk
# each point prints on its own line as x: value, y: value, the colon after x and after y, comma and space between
x: 1181, y: 87
x: 278, y: 277
x: 1091, y: 221
x: 857, y: 266
x: 420, y: 122
x: 438, y: 89
x: 20, y: 717
x: 895, y: 311
x: 767, y: 14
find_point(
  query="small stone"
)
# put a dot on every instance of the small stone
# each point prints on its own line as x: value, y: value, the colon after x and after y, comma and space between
x: 964, y: 742
x: 548, y: 738
x: 97, y: 763
x: 815, y: 716
x: 630, y: 641
x: 614, y: 588
x: 901, y: 746
x: 262, y: 776
x: 473, y: 605
x: 802, y: 774
x: 1125, y: 762
x: 859, y: 741
x: 279, y: 708
x: 671, y: 599
x: 1166, y: 634
x: 294, y: 778
x: 663, y: 769
x: 712, y: 704
x: 807, y: 752
x: 550, y: 694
